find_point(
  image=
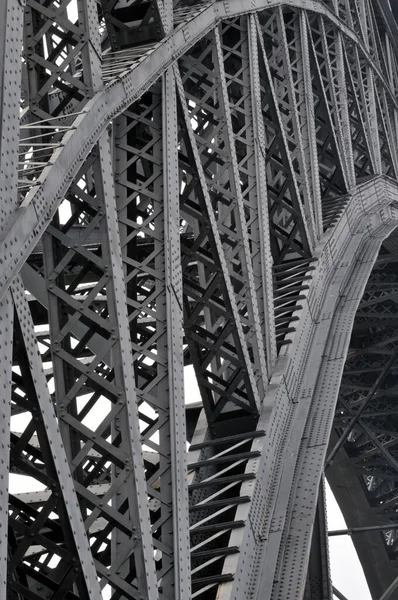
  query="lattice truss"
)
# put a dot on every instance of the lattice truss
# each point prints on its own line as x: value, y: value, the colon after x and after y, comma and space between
x: 168, y: 175
x: 365, y: 420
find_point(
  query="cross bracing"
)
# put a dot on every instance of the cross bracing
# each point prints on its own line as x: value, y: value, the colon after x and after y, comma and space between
x: 211, y: 184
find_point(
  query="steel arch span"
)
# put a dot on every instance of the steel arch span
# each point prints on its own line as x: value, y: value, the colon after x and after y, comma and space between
x: 211, y: 185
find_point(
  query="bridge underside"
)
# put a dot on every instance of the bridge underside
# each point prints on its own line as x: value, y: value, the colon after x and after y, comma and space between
x: 209, y: 185
x: 362, y: 466
x: 379, y: 567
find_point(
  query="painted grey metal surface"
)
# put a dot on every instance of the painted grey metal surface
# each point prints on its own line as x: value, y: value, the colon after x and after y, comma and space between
x: 205, y: 184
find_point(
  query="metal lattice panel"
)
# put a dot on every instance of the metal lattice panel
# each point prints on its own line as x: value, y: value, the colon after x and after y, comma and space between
x: 206, y: 184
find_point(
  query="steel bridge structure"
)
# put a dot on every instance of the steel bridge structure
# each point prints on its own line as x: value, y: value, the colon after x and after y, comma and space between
x: 210, y: 185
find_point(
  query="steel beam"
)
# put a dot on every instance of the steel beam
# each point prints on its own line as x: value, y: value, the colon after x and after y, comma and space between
x: 7, y: 317
x: 11, y: 37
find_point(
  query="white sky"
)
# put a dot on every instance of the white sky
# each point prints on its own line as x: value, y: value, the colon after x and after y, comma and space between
x: 347, y: 573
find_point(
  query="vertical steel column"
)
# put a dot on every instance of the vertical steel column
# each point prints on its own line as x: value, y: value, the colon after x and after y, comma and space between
x: 262, y: 197
x: 91, y: 53
x: 11, y: 35
x: 304, y: 166
x: 167, y: 14
x: 308, y: 238
x: 309, y: 133
x: 246, y: 265
x: 145, y: 565
x: 6, y: 331
x: 58, y: 452
x: 217, y: 238
x: 11, y: 32
x: 179, y: 536
x: 332, y: 76
x: 342, y: 104
x: 370, y: 97
x: 147, y: 189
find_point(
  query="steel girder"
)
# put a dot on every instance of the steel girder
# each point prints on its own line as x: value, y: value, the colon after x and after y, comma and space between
x: 202, y: 183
